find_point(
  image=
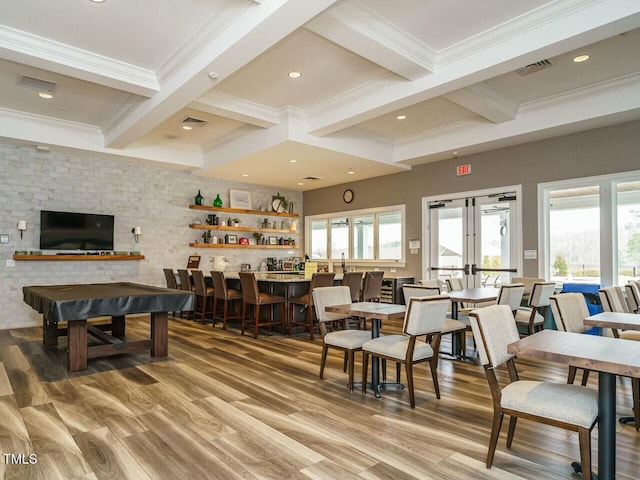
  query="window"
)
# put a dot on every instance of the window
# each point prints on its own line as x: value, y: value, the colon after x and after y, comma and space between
x: 374, y: 235
x: 591, y: 229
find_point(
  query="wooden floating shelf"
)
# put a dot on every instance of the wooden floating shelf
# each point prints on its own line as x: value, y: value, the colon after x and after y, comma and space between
x: 78, y: 258
x: 241, y: 211
x: 242, y: 229
x: 237, y: 245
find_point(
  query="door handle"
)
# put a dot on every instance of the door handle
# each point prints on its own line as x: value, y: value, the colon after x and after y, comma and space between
x: 466, y: 269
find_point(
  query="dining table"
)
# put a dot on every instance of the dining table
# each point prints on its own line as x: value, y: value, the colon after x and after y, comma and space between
x: 472, y: 296
x: 608, y: 356
x: 377, y: 312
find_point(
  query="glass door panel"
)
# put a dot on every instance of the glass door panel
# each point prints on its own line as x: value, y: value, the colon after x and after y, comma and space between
x: 448, y: 223
x: 628, y: 232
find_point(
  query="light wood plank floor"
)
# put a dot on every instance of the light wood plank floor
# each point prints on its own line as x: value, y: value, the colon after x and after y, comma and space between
x: 225, y: 406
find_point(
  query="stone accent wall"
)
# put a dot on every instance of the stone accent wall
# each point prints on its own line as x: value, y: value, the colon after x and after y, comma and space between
x: 156, y: 199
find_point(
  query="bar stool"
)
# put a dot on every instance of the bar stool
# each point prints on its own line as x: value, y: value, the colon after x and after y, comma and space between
x: 226, y: 295
x: 251, y: 296
x: 353, y: 280
x: 170, y: 278
x: 203, y: 295
x: 185, y: 284
x: 372, y: 285
x: 317, y: 280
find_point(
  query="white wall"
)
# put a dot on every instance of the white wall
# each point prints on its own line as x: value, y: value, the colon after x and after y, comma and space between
x: 153, y: 198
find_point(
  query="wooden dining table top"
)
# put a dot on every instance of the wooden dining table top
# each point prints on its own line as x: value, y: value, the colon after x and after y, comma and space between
x: 592, y: 352
x: 473, y: 295
x: 617, y: 320
x: 379, y: 310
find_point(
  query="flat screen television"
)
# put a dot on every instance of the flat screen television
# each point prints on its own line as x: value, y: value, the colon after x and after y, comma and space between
x: 75, y: 231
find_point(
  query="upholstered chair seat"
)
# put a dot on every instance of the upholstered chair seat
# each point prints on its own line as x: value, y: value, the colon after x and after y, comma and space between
x: 395, y: 347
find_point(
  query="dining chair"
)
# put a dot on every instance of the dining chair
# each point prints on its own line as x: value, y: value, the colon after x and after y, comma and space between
x: 221, y: 293
x: 204, y: 297
x: 424, y: 316
x: 372, y: 286
x: 306, y: 301
x: 451, y: 326
x: 532, y: 316
x: 569, y: 311
x: 353, y: 280
x: 511, y: 294
x: 633, y: 297
x: 571, y: 407
x: 170, y: 278
x: 431, y: 282
x: 348, y: 341
x: 528, y: 284
x: 613, y: 300
x: 254, y: 299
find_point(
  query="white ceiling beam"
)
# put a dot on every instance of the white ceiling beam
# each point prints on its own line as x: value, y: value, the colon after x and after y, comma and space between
x: 25, y: 48
x: 486, y: 102
x: 258, y: 29
x: 548, y: 31
x: 616, y: 100
x: 356, y: 28
x: 236, y: 108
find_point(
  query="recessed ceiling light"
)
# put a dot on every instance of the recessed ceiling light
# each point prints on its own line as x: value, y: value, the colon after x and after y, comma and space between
x: 245, y: 174
x: 46, y: 95
x: 187, y: 127
x: 97, y: 1
x: 581, y: 58
x: 300, y: 183
x: 294, y: 74
x: 401, y: 117
x: 293, y: 160
x: 350, y: 172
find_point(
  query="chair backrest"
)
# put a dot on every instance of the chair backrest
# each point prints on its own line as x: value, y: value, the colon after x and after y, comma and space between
x: 425, y: 315
x: 633, y: 296
x: 511, y: 294
x: 327, y: 297
x: 372, y: 285
x: 569, y: 311
x: 528, y: 282
x: 170, y: 278
x: 249, y: 287
x: 199, y: 283
x: 493, y: 329
x: 185, y: 279
x: 454, y: 284
x: 321, y: 280
x: 612, y: 299
x: 353, y: 280
x: 411, y: 290
x: 219, y: 285
x: 541, y: 294
x: 431, y: 282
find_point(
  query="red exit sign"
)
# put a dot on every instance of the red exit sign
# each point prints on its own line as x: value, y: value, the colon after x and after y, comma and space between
x: 463, y: 169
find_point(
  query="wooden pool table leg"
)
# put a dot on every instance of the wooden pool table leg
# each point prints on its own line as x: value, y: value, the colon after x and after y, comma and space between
x: 159, y: 334
x: 78, y: 347
x: 117, y: 326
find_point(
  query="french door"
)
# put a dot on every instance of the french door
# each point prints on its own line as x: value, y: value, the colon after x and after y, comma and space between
x: 474, y: 237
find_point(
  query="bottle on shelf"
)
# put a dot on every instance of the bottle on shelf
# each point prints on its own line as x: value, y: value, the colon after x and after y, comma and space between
x: 199, y: 198
x: 218, y: 201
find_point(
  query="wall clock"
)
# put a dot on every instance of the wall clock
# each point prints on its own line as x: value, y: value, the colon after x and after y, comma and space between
x: 347, y: 196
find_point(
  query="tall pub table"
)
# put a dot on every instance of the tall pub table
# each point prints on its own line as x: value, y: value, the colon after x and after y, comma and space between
x: 608, y: 356
x: 77, y: 303
x: 377, y: 312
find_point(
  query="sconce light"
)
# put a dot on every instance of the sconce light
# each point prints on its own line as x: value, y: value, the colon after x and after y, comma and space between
x: 22, y: 226
x: 137, y: 231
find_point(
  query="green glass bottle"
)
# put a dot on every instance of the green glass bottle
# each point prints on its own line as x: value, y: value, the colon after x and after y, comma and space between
x: 199, y: 198
x: 217, y: 202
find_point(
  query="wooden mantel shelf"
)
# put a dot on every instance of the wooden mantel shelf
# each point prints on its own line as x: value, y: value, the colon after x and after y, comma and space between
x: 99, y: 258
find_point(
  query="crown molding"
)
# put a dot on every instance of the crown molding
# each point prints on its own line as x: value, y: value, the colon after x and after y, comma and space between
x: 44, y: 53
x: 486, y: 102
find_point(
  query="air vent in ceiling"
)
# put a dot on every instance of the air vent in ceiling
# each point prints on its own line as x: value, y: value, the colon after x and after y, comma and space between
x: 192, y: 121
x: 534, y: 67
x: 311, y: 177
x: 36, y: 84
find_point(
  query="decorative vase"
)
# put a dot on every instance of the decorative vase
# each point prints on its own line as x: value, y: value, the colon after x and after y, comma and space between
x: 199, y: 198
x: 217, y: 202
x: 218, y: 263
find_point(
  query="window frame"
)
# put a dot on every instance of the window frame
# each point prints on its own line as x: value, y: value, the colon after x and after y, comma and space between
x: 350, y: 214
x: 608, y: 197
